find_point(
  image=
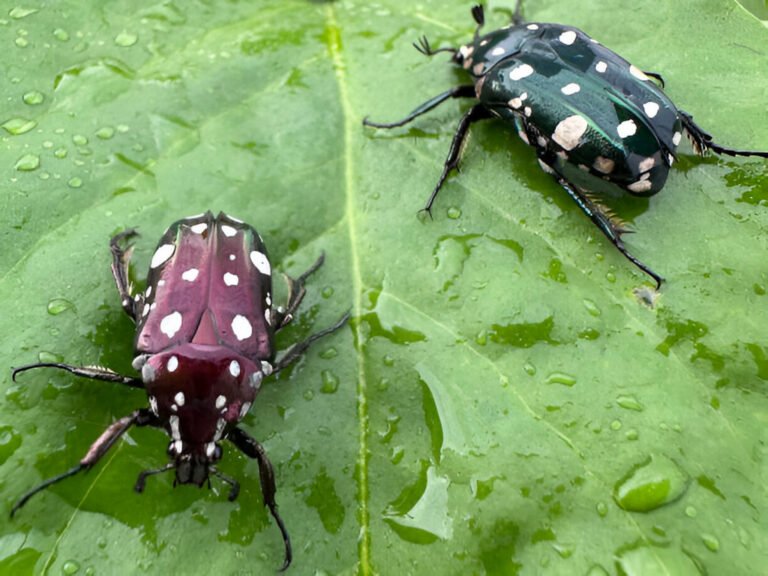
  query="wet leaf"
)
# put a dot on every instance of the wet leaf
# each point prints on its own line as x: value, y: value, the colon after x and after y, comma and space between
x: 506, y: 368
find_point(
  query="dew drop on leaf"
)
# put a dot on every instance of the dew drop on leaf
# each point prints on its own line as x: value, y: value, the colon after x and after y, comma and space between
x: 651, y: 484
x: 58, y: 305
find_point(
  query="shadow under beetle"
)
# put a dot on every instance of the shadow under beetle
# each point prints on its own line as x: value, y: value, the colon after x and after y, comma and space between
x: 205, y: 330
x: 598, y: 124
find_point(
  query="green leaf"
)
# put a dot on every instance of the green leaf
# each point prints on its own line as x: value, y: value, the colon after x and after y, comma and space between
x: 504, y: 400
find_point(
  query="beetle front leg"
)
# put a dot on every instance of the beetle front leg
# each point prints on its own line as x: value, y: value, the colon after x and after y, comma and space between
x: 702, y: 141
x: 476, y: 113
x: 100, y: 447
x: 456, y: 92
x: 602, y: 219
x: 298, y: 349
x: 251, y: 448
x: 120, y: 261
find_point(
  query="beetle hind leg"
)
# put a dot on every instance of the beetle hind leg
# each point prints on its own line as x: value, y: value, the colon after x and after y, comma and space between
x: 120, y: 260
x: 467, y: 91
x: 296, y: 293
x: 702, y: 140
x: 607, y: 223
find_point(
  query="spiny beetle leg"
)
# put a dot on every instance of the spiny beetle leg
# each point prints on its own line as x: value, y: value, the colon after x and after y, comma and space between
x: 251, y: 448
x: 296, y: 293
x: 234, y: 485
x: 100, y: 447
x: 456, y: 92
x: 702, y: 141
x: 298, y: 349
x: 606, y: 225
x: 424, y: 48
x: 141, y: 481
x: 92, y: 372
x: 476, y: 113
x: 120, y: 260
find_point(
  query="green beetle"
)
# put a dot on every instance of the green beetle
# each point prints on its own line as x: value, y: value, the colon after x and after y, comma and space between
x: 599, y: 124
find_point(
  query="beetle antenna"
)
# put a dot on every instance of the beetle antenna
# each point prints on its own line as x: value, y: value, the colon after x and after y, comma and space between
x: 40, y: 487
x: 478, y: 13
x: 517, y: 17
x: 92, y: 372
x: 423, y: 47
x: 141, y: 481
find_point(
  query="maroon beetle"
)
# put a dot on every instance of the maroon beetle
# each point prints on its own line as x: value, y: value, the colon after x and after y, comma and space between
x: 205, y: 330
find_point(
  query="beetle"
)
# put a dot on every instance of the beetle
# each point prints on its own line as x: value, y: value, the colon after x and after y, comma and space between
x: 205, y: 329
x: 598, y: 124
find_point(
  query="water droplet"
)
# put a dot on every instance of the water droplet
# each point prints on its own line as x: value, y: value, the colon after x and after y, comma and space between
x: 122, y: 128
x: 711, y: 542
x: 101, y: 542
x: 396, y: 455
x: 126, y: 39
x: 330, y: 382
x: 481, y: 339
x: 308, y: 394
x: 90, y: 571
x: 329, y: 353
x: 454, y: 213
x: 61, y: 35
x: 75, y: 182
x: 602, y: 509
x: 18, y: 12
x: 44, y: 356
x: 17, y: 126
x: 691, y: 512
x: 597, y: 570
x: 529, y: 368
x: 22, y: 42
x: 629, y: 402
x: 420, y: 513
x: 591, y: 307
x: 70, y: 567
x: 641, y: 559
x: 616, y: 425
x: 564, y: 550
x: 632, y: 434
x: 388, y: 360
x: 10, y: 440
x: 60, y: 153
x: 382, y: 384
x: 33, y: 98
x: 561, y: 378
x: 79, y: 139
x: 47, y: 144
x: 28, y: 162
x: 327, y: 292
x: 58, y: 305
x: 651, y: 484
x: 105, y: 133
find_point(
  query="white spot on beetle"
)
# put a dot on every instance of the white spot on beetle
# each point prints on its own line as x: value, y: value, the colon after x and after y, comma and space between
x: 261, y: 262
x: 515, y: 103
x: 541, y: 141
x: 527, y: 111
x: 160, y: 283
x: 231, y: 279
x: 241, y: 327
x: 171, y: 324
x: 173, y: 363
x: 173, y: 420
x: 220, y: 424
x: 179, y: 398
x: 268, y: 316
x: 199, y: 228
x: 231, y: 257
x: 603, y: 164
x: 234, y: 368
x: 174, y: 408
x: 670, y: 159
x: 571, y: 88
x: 532, y: 26
x: 178, y: 446
x: 255, y: 380
x: 626, y: 128
x: 646, y: 164
x: 637, y: 73
x: 148, y: 292
x: 221, y: 401
x: 520, y: 72
x: 545, y: 167
x: 569, y: 131
x: 266, y: 367
x: 268, y: 299
x: 148, y: 373
x: 676, y: 138
x: 568, y: 37
x: 466, y: 51
x: 153, y: 405
x: 478, y: 68
x: 190, y: 275
x: 498, y: 51
x: 162, y: 254
x: 244, y: 409
x: 601, y: 67
x: 640, y: 186
x: 651, y: 109
x: 210, y: 448
x: 523, y: 137
x: 483, y: 42
x: 228, y: 230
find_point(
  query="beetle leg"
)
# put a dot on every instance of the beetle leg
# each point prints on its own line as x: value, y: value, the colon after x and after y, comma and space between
x: 251, y: 448
x: 455, y: 92
x: 296, y: 292
x: 298, y: 349
x: 141, y: 481
x: 517, y: 17
x: 120, y: 259
x: 655, y: 76
x: 477, y: 112
x: 607, y: 226
x: 100, y: 447
x: 92, y: 372
x: 424, y: 48
x: 702, y: 141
